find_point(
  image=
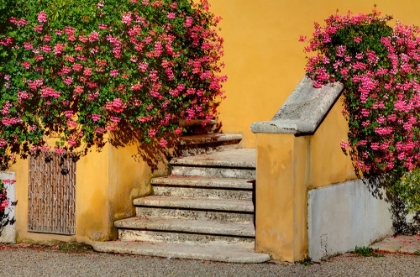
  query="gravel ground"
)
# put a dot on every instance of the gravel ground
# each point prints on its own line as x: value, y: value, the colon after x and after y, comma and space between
x: 51, y: 262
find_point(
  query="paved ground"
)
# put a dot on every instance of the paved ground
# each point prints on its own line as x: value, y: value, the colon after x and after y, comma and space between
x: 35, y: 260
x: 399, y: 244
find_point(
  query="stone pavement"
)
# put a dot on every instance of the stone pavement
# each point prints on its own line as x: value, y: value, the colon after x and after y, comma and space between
x: 400, y: 244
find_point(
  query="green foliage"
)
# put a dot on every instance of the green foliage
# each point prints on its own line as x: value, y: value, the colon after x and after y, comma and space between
x: 408, y: 190
x: 367, y: 252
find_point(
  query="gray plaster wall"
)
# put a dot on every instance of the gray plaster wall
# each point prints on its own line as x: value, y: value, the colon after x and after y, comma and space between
x: 9, y: 232
x: 343, y: 216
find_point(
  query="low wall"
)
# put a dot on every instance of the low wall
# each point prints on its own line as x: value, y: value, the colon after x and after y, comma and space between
x: 299, y: 161
x: 343, y: 216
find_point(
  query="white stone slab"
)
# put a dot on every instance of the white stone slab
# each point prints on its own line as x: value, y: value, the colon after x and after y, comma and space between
x: 343, y: 216
x: 9, y: 232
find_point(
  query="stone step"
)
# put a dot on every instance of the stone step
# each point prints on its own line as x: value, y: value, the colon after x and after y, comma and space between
x: 202, y: 192
x: 213, y: 172
x: 235, y: 158
x: 189, y: 238
x: 207, y: 143
x: 195, y: 214
x: 185, y: 181
x: 198, y: 126
x: 187, y: 226
x: 195, y: 203
x: 196, y: 140
x: 216, y: 252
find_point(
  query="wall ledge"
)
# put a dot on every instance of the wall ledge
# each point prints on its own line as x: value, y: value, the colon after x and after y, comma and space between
x: 303, y: 111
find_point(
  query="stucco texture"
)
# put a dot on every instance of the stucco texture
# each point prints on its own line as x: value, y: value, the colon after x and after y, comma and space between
x: 106, y: 183
x: 264, y: 59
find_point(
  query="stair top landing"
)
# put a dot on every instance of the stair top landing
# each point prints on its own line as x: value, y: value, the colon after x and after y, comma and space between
x: 229, y: 158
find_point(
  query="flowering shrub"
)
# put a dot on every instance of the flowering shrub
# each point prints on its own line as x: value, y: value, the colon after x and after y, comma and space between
x: 380, y: 69
x: 82, y: 68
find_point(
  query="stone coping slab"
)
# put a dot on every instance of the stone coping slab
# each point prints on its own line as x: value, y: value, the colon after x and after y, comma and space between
x: 303, y: 111
x: 399, y: 244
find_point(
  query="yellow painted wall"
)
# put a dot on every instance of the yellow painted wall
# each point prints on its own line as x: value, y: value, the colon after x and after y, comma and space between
x: 328, y: 164
x: 265, y: 61
x: 106, y: 183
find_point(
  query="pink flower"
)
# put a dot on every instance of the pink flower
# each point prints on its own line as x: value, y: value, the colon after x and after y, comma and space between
x: 163, y: 143
x: 71, y: 124
x: 99, y: 130
x: 77, y: 67
x: 114, y: 73
x: 152, y: 133
x: 188, y: 21
x: 87, y: 71
x: 143, y: 66
x: 357, y: 39
x: 42, y: 16
x: 344, y: 144
x: 171, y: 15
x: 94, y: 36
x: 68, y: 81
x: 96, y: 117
x: 78, y: 89
x: 126, y: 18
x: 68, y: 114
x: 136, y: 87
x: 71, y: 141
x: 115, y: 119
x: 59, y: 150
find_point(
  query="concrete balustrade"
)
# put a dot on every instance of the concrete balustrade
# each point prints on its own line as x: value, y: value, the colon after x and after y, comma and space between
x: 300, y: 164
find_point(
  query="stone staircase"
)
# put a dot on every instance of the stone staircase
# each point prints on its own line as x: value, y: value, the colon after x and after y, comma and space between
x: 203, y: 210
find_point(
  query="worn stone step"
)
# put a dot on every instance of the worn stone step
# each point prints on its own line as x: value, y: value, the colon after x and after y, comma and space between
x: 209, y: 193
x: 195, y: 203
x: 196, y: 140
x: 213, y: 172
x: 189, y: 238
x: 187, y: 226
x: 219, y: 253
x: 195, y: 214
x: 187, y: 181
x: 202, y: 143
x: 235, y: 158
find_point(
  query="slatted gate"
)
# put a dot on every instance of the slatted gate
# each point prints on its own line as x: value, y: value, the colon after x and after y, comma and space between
x: 52, y: 193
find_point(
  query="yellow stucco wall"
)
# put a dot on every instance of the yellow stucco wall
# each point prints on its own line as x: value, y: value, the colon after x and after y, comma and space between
x: 106, y: 183
x: 282, y: 176
x: 328, y: 164
x: 265, y: 61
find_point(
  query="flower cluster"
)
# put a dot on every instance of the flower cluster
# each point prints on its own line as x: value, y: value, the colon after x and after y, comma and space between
x: 85, y: 68
x: 4, y: 203
x: 379, y: 67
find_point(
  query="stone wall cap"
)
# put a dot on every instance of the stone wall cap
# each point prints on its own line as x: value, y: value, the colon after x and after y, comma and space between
x: 303, y: 111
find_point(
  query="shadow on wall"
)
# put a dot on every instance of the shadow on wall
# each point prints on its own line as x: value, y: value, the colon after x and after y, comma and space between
x: 152, y: 153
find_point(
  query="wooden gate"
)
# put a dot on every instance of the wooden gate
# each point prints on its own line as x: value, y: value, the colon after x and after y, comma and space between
x: 52, y: 193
